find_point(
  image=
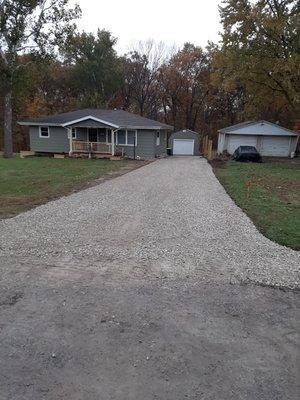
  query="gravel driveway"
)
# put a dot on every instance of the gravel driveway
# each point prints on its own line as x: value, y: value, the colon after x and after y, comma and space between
x: 134, y: 289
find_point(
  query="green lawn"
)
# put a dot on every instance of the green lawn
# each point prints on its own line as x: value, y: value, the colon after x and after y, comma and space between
x: 25, y: 183
x: 274, y: 196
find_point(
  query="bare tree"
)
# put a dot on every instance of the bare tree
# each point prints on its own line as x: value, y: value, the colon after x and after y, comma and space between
x: 141, y: 75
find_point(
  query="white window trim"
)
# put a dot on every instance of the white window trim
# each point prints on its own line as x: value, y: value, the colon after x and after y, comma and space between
x: 157, y: 138
x: 126, y: 138
x: 40, y: 132
x: 75, y: 130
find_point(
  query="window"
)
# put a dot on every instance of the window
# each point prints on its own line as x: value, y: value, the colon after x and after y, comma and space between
x: 99, y: 135
x: 131, y: 137
x: 74, y: 133
x: 126, y: 137
x: 157, y: 138
x: 121, y: 137
x: 102, y: 135
x: 44, y: 131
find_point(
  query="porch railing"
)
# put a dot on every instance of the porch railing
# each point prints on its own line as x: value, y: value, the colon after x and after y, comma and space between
x: 91, y: 147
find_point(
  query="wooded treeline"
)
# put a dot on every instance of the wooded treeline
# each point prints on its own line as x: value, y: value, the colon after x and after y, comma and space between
x: 252, y: 73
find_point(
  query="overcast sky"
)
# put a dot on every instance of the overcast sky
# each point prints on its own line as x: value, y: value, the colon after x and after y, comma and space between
x: 171, y: 21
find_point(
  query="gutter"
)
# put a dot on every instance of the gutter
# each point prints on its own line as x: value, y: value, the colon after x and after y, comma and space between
x: 64, y: 125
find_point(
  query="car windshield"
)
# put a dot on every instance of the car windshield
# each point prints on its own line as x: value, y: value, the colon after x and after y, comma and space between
x: 248, y: 148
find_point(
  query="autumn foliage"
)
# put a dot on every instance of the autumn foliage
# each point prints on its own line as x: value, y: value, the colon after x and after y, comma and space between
x: 252, y: 73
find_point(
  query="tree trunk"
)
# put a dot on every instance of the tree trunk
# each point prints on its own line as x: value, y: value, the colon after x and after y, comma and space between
x: 8, y: 145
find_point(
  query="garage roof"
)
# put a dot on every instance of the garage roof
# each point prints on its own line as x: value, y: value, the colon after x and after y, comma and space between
x: 258, y: 128
x: 183, y: 131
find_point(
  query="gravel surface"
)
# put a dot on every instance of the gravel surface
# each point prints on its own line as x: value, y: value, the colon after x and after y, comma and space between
x: 171, y: 217
x: 131, y: 290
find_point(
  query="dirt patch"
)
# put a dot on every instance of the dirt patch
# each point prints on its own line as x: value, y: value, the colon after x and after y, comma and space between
x: 282, y: 161
x: 287, y: 191
x: 220, y: 160
x: 218, y: 163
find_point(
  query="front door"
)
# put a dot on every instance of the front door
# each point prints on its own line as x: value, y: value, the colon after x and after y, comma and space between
x: 93, y: 137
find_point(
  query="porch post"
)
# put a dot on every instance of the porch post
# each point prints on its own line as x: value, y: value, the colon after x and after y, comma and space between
x: 112, y: 142
x: 69, y: 130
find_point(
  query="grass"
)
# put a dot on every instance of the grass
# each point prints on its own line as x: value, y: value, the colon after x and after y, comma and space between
x: 273, y: 201
x: 25, y: 183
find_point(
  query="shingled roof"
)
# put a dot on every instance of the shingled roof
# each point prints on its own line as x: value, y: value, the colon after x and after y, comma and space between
x: 114, y: 118
x: 259, y: 128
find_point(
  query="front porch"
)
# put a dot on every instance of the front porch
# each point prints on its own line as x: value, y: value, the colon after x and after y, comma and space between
x: 94, y: 139
x: 99, y: 142
x: 83, y: 147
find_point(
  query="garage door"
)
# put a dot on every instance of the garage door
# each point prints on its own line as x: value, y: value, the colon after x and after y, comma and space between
x: 183, y: 147
x: 234, y: 141
x: 276, y: 146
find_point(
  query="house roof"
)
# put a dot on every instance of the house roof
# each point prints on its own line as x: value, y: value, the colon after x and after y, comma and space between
x: 258, y: 128
x: 114, y: 118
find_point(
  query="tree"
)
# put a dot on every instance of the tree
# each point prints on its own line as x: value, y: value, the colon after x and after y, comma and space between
x: 260, y: 51
x: 185, y: 85
x: 140, y: 75
x: 35, y: 26
x: 95, y: 68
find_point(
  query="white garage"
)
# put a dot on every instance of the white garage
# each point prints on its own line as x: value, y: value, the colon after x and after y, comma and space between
x: 268, y: 138
x: 278, y: 146
x: 183, y: 147
x: 234, y: 141
x: 185, y: 143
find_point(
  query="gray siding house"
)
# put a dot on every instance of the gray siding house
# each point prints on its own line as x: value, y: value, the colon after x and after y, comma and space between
x: 269, y: 139
x: 97, y: 131
x: 185, y: 142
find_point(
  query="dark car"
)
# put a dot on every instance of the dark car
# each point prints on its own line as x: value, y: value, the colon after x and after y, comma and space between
x: 247, y: 153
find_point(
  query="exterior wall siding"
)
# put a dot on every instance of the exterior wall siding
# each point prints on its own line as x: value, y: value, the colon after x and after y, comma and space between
x: 161, y: 149
x: 58, y: 141
x: 186, y: 135
x: 144, y: 148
